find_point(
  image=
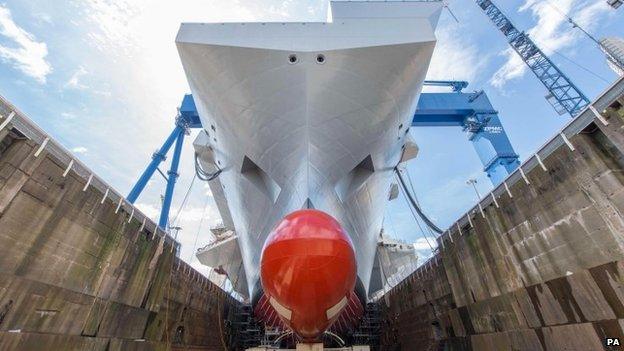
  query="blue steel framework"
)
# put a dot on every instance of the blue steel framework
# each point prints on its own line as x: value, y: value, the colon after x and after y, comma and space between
x: 475, y: 114
x: 187, y: 118
x: 560, y: 87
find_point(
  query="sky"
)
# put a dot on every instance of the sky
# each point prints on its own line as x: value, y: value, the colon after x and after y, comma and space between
x: 103, y: 77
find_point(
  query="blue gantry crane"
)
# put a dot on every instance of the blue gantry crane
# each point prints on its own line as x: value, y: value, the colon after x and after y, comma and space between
x: 187, y: 118
x: 562, y: 93
x: 474, y: 113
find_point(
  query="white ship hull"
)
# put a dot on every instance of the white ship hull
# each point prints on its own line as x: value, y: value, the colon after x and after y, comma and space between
x: 327, y: 135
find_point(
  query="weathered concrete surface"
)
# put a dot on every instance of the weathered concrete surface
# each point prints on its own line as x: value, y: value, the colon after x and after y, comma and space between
x: 75, y: 275
x: 545, y: 271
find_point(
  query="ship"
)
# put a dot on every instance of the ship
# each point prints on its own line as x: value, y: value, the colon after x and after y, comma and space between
x: 304, y: 125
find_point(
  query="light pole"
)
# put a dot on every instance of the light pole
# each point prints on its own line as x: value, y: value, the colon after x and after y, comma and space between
x: 473, y: 182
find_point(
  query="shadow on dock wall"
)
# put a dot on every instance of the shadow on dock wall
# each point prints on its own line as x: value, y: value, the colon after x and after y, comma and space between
x: 75, y: 275
x: 545, y: 271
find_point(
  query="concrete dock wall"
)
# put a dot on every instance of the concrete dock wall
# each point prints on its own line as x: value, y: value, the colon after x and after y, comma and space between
x: 79, y: 272
x: 542, y: 269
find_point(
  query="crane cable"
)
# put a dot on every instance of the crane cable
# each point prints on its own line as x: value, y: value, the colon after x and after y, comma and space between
x: 174, y: 222
x: 201, y: 223
x: 575, y: 25
x: 411, y: 184
x: 573, y: 22
x: 415, y: 205
x: 424, y: 234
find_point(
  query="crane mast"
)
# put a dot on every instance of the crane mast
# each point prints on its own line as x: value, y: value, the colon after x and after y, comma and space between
x: 565, y: 94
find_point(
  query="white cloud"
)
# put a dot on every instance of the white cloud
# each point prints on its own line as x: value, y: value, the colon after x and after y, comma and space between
x: 68, y: 115
x: 513, y: 68
x: 27, y: 55
x: 129, y: 26
x: 552, y: 31
x: 454, y: 58
x: 591, y: 15
x: 74, y: 81
x: 150, y: 210
x: 43, y: 17
x: 195, y: 214
x: 423, y: 244
x: 189, y: 214
x: 113, y: 19
x: 79, y: 150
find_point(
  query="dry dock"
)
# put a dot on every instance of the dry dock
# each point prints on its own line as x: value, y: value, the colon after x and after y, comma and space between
x: 542, y: 269
x: 82, y: 270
